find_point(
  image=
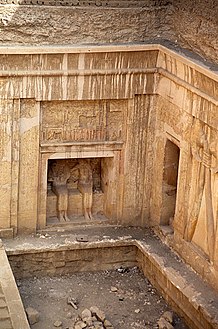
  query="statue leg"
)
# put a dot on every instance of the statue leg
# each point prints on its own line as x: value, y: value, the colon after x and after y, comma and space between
x: 67, y: 219
x: 90, y: 206
x: 62, y: 203
x: 85, y: 206
x: 61, y: 215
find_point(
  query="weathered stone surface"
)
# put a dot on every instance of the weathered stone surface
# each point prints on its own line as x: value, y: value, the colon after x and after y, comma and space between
x: 12, y: 313
x: 196, y: 28
x: 149, y: 115
x: 168, y: 316
x: 86, y: 314
x: 98, y: 313
x: 108, y: 324
x: 57, y: 323
x: 59, y: 25
x: 92, y: 318
x: 164, y: 324
x: 32, y: 315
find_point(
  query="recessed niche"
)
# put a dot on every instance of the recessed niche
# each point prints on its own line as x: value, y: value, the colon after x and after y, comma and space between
x: 169, y: 185
x: 69, y: 182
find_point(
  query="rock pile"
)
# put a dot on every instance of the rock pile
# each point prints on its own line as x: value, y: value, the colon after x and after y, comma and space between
x: 92, y: 318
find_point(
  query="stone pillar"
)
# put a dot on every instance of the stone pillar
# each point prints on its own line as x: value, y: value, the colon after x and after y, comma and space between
x: 6, y: 117
x: 136, y: 203
x: 15, y: 164
x: 29, y: 163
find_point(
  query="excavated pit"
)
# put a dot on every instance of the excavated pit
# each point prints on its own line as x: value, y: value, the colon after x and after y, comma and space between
x: 88, y: 265
x: 128, y: 299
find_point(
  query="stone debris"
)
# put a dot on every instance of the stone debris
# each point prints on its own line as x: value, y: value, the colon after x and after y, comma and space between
x: 168, y: 316
x: 164, y: 324
x: 32, y: 315
x: 92, y: 318
x: 166, y: 320
x: 114, y: 289
x: 58, y: 323
x: 123, y: 270
x: 73, y: 302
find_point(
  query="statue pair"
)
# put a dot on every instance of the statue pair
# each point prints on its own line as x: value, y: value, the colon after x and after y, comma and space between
x: 59, y: 174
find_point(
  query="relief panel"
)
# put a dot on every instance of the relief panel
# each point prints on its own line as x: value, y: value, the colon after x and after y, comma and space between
x: 82, y: 121
x: 202, y: 225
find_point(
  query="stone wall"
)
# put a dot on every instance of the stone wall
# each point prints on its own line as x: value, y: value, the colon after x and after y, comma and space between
x: 143, y: 97
x: 25, y: 24
x: 188, y: 24
x: 70, y: 261
x: 185, y: 291
x: 195, y: 26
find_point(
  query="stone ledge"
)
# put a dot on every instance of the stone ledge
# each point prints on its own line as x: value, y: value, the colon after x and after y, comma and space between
x: 6, y: 233
x: 16, y: 317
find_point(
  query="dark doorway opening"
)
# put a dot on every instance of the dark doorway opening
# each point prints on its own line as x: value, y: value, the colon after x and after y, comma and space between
x: 169, y: 185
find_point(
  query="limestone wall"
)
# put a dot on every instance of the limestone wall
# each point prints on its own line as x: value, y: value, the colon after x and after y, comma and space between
x: 132, y: 103
x: 195, y: 26
x: 188, y: 24
x: 67, y: 24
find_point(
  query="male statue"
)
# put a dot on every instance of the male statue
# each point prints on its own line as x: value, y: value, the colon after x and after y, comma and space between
x: 85, y: 185
x: 58, y: 175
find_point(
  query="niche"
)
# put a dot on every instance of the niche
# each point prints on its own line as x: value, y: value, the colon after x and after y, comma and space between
x: 169, y: 185
x: 71, y: 183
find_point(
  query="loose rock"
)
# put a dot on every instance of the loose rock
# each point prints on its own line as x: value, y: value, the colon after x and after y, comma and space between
x: 98, y: 313
x: 80, y: 325
x: 57, y: 324
x: 32, y: 315
x: 86, y: 314
x: 168, y: 316
x: 114, y: 289
x: 164, y: 324
x: 92, y: 319
x: 108, y: 324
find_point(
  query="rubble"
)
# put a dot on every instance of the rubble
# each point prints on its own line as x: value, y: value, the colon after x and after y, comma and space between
x: 92, y: 318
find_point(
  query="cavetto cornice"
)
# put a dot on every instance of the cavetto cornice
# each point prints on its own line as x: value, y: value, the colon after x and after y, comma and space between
x: 105, y: 48
x: 155, y: 69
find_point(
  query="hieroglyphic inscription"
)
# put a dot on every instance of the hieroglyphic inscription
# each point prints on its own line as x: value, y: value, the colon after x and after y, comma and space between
x: 82, y: 121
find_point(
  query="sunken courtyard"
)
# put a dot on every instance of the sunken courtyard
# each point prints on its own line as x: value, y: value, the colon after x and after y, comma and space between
x: 108, y: 164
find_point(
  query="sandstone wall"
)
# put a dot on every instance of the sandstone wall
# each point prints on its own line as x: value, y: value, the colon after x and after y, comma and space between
x: 142, y: 97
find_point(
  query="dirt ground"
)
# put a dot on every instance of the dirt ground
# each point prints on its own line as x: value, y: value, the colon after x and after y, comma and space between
x: 128, y: 299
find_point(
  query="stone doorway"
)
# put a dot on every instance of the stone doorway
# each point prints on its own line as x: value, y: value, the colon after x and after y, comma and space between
x: 169, y: 184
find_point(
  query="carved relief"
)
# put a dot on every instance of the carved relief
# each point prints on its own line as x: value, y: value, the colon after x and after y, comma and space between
x: 59, y: 174
x: 85, y: 185
x: 82, y: 121
x: 204, y: 148
x: 73, y: 177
